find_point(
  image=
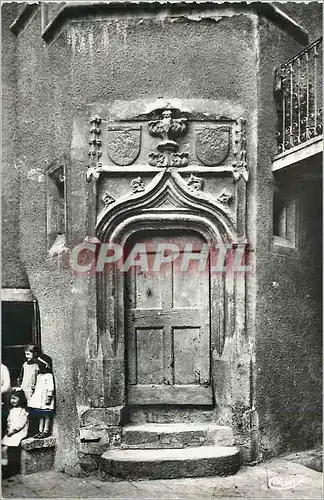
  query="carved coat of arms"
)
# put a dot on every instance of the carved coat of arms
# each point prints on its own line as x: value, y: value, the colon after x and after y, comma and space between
x: 124, y: 144
x: 212, y: 145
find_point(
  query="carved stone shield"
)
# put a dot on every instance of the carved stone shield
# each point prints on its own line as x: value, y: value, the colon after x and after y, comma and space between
x: 124, y: 144
x: 212, y: 145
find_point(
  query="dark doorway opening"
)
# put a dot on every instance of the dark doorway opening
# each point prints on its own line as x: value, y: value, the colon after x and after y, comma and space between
x: 20, y: 326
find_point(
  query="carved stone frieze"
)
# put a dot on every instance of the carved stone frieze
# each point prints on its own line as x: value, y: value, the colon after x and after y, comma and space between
x: 212, y: 145
x: 124, y: 144
x: 137, y: 185
x: 95, y: 149
x: 107, y: 199
x: 167, y: 191
x: 240, y: 164
x: 195, y: 183
x: 168, y: 129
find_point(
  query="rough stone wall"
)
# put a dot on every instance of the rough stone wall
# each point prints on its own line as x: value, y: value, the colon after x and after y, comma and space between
x: 13, y: 273
x: 288, y: 308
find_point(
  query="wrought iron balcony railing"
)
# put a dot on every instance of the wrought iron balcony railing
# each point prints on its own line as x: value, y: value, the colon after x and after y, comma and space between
x: 298, y: 91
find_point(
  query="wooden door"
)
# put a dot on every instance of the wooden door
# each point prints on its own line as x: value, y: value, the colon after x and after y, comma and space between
x: 168, y: 331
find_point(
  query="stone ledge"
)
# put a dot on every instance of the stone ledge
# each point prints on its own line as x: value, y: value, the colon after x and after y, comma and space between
x: 37, y: 455
x: 294, y: 156
x: 38, y: 444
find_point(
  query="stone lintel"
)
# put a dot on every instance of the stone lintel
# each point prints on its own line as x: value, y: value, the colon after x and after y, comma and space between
x: 16, y: 295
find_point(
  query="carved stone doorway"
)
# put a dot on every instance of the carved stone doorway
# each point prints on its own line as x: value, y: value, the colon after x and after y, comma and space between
x: 167, y: 308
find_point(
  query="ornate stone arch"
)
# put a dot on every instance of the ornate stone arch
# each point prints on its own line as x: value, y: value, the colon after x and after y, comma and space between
x: 166, y: 204
x: 167, y: 197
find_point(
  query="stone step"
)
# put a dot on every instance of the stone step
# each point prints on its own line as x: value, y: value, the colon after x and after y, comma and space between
x: 176, y: 435
x: 170, y: 414
x: 171, y: 463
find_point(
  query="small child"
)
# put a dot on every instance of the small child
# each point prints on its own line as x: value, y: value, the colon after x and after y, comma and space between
x: 17, y: 423
x: 41, y: 403
x: 29, y: 371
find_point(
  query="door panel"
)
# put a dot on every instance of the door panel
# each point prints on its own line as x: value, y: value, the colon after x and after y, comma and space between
x: 186, y: 350
x: 149, y: 355
x: 168, y: 333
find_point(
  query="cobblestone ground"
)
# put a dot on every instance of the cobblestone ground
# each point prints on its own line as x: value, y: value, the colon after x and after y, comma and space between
x: 279, y: 478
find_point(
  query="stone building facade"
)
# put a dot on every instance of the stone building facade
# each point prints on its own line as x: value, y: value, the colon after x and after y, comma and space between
x: 134, y: 122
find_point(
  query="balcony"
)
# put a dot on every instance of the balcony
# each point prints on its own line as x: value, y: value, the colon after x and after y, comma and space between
x: 298, y: 93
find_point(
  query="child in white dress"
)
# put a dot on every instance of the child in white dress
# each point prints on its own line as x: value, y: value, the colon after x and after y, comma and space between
x: 17, y: 423
x: 41, y: 403
x: 29, y: 370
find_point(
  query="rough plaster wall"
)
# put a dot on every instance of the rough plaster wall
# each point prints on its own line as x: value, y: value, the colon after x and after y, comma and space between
x: 288, y: 312
x: 13, y: 273
x: 308, y: 14
x: 44, y: 135
x: 138, y: 58
x: 98, y: 61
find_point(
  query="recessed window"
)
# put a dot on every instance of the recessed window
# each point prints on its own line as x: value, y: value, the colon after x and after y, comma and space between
x: 56, y: 207
x: 284, y: 221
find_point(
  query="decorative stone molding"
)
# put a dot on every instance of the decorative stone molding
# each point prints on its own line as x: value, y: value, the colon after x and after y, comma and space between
x: 164, y: 195
x: 240, y: 164
x: 195, y: 183
x: 95, y: 149
x: 107, y: 199
x: 137, y: 185
x: 168, y: 129
x: 167, y: 203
